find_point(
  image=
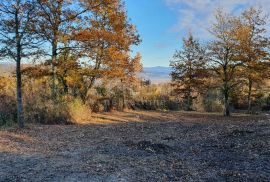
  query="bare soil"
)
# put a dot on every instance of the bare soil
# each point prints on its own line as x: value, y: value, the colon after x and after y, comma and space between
x: 140, y: 146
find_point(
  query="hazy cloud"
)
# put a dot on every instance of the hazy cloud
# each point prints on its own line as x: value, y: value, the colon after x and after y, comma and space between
x: 197, y: 15
x: 162, y: 45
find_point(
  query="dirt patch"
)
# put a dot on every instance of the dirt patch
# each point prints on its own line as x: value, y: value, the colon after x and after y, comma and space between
x: 239, y: 133
x: 148, y: 146
x: 140, y: 146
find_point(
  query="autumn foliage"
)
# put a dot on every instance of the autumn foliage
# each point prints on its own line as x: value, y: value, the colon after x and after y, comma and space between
x: 76, y: 46
x: 235, y: 63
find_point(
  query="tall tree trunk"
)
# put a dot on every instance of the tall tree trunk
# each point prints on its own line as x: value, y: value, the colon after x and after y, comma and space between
x: 189, y: 100
x: 121, y: 98
x: 124, y: 102
x: 20, y: 118
x: 226, y: 90
x: 65, y: 85
x: 249, y: 95
x: 226, y: 102
x: 54, y: 57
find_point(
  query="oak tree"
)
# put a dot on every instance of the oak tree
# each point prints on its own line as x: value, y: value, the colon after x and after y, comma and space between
x: 252, y: 46
x: 55, y: 20
x: 222, y: 55
x: 105, y: 42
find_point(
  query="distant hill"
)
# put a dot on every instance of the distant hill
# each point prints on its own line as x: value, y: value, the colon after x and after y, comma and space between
x: 6, y: 68
x: 158, y: 74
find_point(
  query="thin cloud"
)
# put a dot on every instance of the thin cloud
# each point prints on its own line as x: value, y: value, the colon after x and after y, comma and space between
x: 197, y: 15
x: 162, y: 45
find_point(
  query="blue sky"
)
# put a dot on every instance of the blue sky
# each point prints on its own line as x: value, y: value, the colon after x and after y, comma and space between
x: 153, y: 20
x: 163, y: 23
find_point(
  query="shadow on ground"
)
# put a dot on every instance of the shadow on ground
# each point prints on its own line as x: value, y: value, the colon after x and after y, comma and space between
x: 140, y: 146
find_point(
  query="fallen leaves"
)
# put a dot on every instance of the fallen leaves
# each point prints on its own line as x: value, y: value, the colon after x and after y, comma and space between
x: 172, y: 146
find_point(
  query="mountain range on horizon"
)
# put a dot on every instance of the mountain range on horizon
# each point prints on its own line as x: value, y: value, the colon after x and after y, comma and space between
x: 156, y: 74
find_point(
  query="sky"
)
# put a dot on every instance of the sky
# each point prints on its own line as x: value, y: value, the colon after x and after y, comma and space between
x: 162, y: 24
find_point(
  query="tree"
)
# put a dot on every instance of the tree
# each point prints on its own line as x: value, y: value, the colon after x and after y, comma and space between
x: 17, y: 40
x: 189, y: 69
x: 126, y: 73
x: 54, y: 25
x: 222, y: 55
x: 105, y: 42
x: 252, y: 45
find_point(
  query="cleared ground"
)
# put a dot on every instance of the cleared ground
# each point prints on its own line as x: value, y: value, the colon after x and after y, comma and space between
x: 140, y: 146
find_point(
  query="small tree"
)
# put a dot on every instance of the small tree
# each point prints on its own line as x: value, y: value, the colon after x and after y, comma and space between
x: 188, y: 70
x: 17, y: 40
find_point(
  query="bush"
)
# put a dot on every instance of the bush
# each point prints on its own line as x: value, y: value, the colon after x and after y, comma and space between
x: 158, y: 105
x: 38, y: 105
x: 62, y: 112
x: 7, y: 110
x: 213, y: 106
x: 8, y: 105
x: 47, y: 112
x: 40, y: 108
x: 173, y: 105
x: 212, y: 101
x: 78, y: 112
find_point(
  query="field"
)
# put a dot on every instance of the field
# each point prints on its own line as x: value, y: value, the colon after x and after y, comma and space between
x: 140, y: 146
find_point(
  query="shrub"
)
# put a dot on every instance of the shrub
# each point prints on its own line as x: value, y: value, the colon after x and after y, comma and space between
x: 213, y: 106
x: 7, y: 110
x: 78, y: 112
x: 7, y: 101
x: 40, y: 108
x: 47, y: 112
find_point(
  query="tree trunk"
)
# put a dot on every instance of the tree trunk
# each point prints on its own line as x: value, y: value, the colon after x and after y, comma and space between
x: 123, y: 102
x: 189, y: 102
x: 54, y: 56
x: 65, y: 85
x: 249, y: 96
x: 111, y: 105
x: 20, y: 119
x: 226, y: 103
x: 226, y: 91
x: 120, y: 104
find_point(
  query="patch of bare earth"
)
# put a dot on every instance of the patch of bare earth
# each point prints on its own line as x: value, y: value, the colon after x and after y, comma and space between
x: 140, y: 146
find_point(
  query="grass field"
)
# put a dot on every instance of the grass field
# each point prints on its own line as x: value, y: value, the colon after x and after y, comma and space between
x: 140, y: 146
